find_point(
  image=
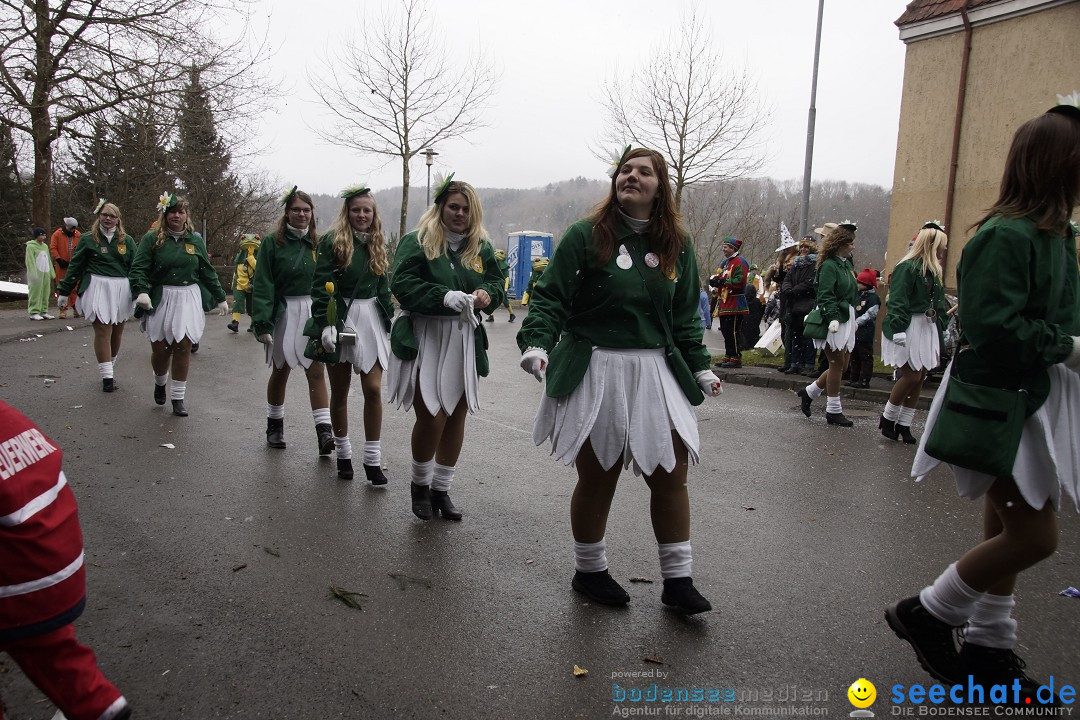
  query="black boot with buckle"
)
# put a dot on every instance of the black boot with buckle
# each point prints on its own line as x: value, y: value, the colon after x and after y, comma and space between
x: 440, y: 503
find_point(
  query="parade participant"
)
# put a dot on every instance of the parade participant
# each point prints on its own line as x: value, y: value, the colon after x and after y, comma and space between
x: 798, y: 294
x: 731, y: 308
x: 444, y: 273
x: 1019, y: 305
x: 98, y: 275
x: 911, y: 333
x: 538, y: 266
x: 867, y: 304
x: 351, y: 273
x: 500, y: 256
x: 174, y: 284
x: 750, y: 327
x: 775, y: 276
x: 281, y: 304
x: 62, y: 246
x: 39, y: 275
x: 43, y: 576
x: 243, y: 279
x: 836, y: 293
x: 617, y: 311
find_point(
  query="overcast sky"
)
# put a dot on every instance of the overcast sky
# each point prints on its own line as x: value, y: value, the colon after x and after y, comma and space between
x: 554, y: 56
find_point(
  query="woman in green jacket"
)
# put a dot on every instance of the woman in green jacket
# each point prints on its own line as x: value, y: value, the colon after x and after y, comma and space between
x: 915, y: 318
x: 623, y: 379
x: 1019, y: 305
x: 445, y: 272
x: 99, y: 268
x: 351, y: 273
x: 837, y: 291
x: 281, y: 307
x: 174, y: 284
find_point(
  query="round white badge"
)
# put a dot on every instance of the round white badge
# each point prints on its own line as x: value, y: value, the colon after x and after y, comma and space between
x: 624, y: 262
x: 623, y: 250
x: 651, y: 260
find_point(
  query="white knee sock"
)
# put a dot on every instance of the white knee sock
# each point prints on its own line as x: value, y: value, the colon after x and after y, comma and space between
x: 675, y: 559
x: 373, y: 452
x: 590, y: 557
x: 321, y: 416
x: 992, y: 624
x: 814, y: 391
x: 422, y: 471
x: 114, y: 358
x: 177, y: 389
x: 832, y: 405
x: 161, y: 380
x: 950, y: 599
x: 443, y: 476
x: 105, y: 369
x: 906, y: 416
x: 343, y: 447
x: 275, y: 412
x: 891, y: 411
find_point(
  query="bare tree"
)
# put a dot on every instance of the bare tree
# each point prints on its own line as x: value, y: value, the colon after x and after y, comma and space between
x: 397, y: 90
x: 705, y: 118
x: 62, y: 62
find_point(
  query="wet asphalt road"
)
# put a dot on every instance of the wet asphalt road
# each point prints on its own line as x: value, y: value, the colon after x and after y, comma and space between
x: 209, y: 565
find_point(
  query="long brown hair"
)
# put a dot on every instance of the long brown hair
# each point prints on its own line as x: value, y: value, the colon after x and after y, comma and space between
x: 163, y: 229
x: 665, y: 225
x: 279, y: 229
x: 342, y: 233
x: 1041, y: 180
x: 831, y: 244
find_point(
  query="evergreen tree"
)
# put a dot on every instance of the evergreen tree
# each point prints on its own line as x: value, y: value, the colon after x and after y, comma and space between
x: 14, y: 208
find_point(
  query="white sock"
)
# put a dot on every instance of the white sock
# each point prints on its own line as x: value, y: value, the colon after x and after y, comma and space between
x: 343, y: 447
x: 675, y: 559
x: 105, y: 369
x: 161, y: 380
x: 321, y: 416
x: 442, y: 477
x: 992, y: 625
x: 177, y: 389
x: 275, y: 412
x: 832, y: 405
x: 373, y: 452
x: 114, y: 358
x: 590, y: 557
x: 906, y: 416
x: 891, y: 411
x: 814, y: 391
x: 950, y: 599
x: 421, y: 472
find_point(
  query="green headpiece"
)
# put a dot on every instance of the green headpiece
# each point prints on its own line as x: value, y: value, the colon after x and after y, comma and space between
x: 100, y: 204
x: 354, y: 190
x: 442, y: 186
x: 166, y: 201
x: 935, y: 224
x: 287, y: 196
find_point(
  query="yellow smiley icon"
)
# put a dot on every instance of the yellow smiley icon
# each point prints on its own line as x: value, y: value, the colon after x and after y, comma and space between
x: 862, y: 693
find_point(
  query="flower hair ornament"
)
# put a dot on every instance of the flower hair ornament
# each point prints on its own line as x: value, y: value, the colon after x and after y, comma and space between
x: 442, y: 186
x: 1068, y: 105
x: 617, y: 159
x: 934, y: 224
x: 848, y: 225
x: 166, y: 201
x: 100, y: 204
x: 354, y: 190
x: 287, y: 196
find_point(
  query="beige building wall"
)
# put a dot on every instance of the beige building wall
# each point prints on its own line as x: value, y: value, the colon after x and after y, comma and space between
x: 1017, y: 67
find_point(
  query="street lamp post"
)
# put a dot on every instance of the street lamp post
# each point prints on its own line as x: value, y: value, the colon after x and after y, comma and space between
x: 429, y: 155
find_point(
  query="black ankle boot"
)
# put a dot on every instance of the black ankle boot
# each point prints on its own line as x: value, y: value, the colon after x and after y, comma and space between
x: 178, y: 408
x: 108, y: 384
x: 888, y: 428
x: 904, y: 431
x: 344, y: 468
x: 680, y: 594
x: 275, y: 433
x: 159, y: 394
x: 421, y: 500
x: 511, y: 318
x: 806, y: 400
x: 440, y: 503
x: 375, y: 475
x: 234, y: 326
x: 325, y: 435
x: 838, y: 419
x: 490, y: 318
x: 600, y: 587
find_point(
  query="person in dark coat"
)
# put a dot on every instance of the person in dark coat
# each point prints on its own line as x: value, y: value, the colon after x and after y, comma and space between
x: 798, y: 294
x: 866, y: 311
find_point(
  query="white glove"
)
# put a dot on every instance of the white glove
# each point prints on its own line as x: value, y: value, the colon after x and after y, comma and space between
x: 61, y: 302
x: 222, y: 307
x: 534, y: 361
x: 143, y: 301
x: 900, y: 339
x: 329, y: 338
x: 456, y: 300
x: 1073, y: 361
x: 266, y: 339
x: 709, y: 383
x: 468, y: 314
x: 834, y: 326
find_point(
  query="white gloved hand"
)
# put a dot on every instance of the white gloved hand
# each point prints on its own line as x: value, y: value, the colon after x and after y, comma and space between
x: 329, y: 338
x: 143, y: 301
x: 709, y: 383
x: 534, y: 361
x: 222, y: 307
x: 900, y: 339
x: 62, y: 301
x: 1073, y: 361
x: 834, y: 326
x: 468, y: 314
x: 266, y: 339
x: 456, y: 300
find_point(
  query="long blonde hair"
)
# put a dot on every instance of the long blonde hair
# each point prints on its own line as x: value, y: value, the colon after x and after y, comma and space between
x: 342, y: 233
x: 119, y: 223
x: 279, y: 229
x: 430, y: 231
x: 925, y: 249
x: 163, y: 229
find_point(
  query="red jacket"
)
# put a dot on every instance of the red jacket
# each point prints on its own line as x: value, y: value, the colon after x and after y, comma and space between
x: 62, y: 247
x: 42, y: 578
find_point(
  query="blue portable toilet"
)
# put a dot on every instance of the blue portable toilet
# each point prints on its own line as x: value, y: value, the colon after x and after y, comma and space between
x: 521, y: 249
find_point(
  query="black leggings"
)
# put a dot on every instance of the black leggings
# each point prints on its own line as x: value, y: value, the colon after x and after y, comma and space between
x: 730, y: 326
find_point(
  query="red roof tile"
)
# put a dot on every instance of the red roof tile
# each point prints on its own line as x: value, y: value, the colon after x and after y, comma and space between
x: 919, y: 10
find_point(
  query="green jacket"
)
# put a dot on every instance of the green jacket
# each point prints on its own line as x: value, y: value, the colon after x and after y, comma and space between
x: 504, y: 268
x: 180, y: 261
x: 94, y: 256
x: 355, y: 281
x: 1006, y: 282
x: 912, y: 293
x: 577, y: 306
x: 420, y: 284
x: 836, y: 289
x: 283, y: 271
